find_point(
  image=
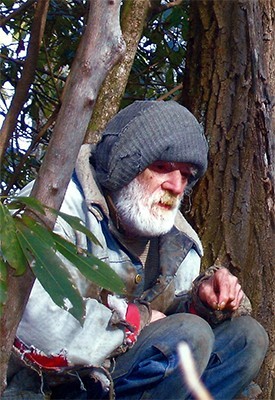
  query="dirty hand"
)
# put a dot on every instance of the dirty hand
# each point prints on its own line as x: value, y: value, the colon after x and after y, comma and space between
x: 221, y: 291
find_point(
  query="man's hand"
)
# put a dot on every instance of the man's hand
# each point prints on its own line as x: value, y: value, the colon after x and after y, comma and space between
x: 156, y: 315
x: 221, y: 291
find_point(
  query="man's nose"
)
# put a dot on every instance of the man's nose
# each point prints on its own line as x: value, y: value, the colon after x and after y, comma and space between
x: 174, y: 182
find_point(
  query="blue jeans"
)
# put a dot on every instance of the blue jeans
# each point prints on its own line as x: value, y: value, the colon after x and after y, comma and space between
x: 227, y: 358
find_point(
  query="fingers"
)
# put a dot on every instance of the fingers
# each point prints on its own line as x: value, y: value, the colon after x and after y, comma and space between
x: 235, y: 303
x: 207, y: 293
x: 227, y: 288
x: 221, y: 291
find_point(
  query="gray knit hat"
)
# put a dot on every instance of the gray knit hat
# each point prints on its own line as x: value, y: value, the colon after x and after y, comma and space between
x: 144, y: 132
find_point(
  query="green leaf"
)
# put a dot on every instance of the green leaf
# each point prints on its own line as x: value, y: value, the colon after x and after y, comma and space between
x: 3, y: 270
x: 31, y: 202
x: 50, y: 272
x: 73, y: 221
x: 77, y: 224
x: 8, y: 3
x: 90, y: 266
x: 10, y: 246
x: 40, y: 230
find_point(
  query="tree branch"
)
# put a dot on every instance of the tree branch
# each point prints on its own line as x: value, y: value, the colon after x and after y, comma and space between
x: 100, y: 48
x: 166, y: 95
x: 133, y: 17
x: 27, y: 77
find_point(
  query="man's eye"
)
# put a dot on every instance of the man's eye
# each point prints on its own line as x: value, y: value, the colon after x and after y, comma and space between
x: 159, y: 167
x: 184, y: 177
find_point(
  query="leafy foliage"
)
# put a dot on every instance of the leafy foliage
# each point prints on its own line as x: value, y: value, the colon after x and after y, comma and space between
x: 25, y: 241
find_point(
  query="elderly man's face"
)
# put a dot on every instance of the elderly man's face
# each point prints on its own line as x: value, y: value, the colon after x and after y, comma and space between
x: 147, y: 206
x: 170, y: 177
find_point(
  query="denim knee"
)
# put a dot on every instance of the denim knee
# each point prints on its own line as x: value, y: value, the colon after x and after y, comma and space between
x: 151, y: 366
x: 197, y: 333
x: 246, y: 339
x: 165, y: 335
x: 256, y: 341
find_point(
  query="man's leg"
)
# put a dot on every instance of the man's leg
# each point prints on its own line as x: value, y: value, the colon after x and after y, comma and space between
x: 150, y: 370
x: 239, y: 349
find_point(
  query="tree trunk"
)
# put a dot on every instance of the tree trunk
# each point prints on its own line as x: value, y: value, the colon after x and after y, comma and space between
x: 228, y: 85
x: 111, y: 92
x: 100, y: 48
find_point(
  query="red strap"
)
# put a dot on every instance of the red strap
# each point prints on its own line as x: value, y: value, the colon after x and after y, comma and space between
x: 192, y: 309
x: 35, y: 356
x: 133, y: 318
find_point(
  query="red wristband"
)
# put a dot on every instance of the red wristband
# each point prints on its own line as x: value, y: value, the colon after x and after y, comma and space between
x: 133, y: 318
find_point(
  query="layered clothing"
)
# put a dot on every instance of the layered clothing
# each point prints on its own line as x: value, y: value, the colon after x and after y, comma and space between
x: 53, y: 333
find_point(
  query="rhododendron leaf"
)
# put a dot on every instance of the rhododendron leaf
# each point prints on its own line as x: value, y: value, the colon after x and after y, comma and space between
x: 50, y: 271
x: 10, y: 247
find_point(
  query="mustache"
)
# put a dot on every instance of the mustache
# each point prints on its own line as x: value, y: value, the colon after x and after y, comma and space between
x: 169, y: 199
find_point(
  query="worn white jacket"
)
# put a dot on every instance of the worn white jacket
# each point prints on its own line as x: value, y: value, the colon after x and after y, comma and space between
x: 52, y: 330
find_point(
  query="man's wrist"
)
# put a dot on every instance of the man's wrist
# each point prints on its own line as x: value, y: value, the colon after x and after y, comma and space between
x: 145, y: 312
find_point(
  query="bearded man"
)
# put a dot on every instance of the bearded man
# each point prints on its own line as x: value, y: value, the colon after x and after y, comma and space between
x: 128, y: 192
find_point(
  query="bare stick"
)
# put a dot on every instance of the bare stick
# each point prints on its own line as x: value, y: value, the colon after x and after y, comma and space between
x: 190, y: 374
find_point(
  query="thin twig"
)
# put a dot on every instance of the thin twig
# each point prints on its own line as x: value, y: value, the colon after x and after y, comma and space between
x: 51, y: 71
x: 190, y: 374
x: 175, y: 89
x: 21, y: 63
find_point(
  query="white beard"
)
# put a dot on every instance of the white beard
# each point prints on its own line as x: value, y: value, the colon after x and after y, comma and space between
x: 140, y: 212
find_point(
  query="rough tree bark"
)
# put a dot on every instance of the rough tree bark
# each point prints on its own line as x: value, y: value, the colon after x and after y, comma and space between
x: 107, y: 105
x: 101, y: 47
x: 228, y: 85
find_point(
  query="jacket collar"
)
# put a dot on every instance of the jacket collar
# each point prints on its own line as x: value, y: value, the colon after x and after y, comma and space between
x: 85, y: 173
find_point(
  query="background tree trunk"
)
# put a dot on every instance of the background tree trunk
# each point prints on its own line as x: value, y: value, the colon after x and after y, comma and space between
x: 228, y: 85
